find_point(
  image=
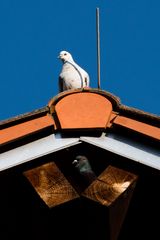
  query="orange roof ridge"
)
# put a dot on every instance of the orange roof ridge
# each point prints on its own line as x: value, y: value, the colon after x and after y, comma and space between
x: 23, y: 117
x: 140, y: 115
x: 98, y: 110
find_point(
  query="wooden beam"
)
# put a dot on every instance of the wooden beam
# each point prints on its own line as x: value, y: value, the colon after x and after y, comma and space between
x: 113, y: 190
x: 51, y: 185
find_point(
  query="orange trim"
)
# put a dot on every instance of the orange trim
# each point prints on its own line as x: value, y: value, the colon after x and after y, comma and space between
x: 83, y: 110
x: 22, y: 129
x: 112, y: 117
x: 137, y: 126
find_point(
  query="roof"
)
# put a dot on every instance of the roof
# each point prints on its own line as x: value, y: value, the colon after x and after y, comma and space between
x: 87, y: 109
x: 120, y: 143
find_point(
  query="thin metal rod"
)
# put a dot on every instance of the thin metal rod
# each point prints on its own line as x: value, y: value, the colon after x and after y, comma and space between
x: 98, y: 46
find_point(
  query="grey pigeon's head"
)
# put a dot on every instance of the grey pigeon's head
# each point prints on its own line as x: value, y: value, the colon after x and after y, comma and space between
x: 65, y: 56
x: 79, y: 160
x: 82, y: 165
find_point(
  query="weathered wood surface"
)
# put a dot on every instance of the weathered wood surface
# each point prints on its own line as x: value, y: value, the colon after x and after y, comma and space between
x: 110, y: 184
x: 51, y: 185
x: 113, y: 189
x: 104, y: 203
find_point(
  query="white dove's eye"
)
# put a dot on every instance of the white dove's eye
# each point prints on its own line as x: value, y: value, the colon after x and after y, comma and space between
x: 65, y: 54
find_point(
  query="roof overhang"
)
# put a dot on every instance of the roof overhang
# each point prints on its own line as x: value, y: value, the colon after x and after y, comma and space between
x: 111, y: 142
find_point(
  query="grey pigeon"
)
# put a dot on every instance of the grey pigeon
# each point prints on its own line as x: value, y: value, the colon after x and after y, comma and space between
x: 72, y: 76
x: 83, y: 167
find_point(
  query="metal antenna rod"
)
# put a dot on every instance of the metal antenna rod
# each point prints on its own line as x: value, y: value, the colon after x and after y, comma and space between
x: 98, y: 46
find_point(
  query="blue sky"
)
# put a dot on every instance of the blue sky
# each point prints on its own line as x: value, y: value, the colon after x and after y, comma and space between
x: 33, y: 32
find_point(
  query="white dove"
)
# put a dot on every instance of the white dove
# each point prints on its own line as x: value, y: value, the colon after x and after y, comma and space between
x: 72, y: 76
